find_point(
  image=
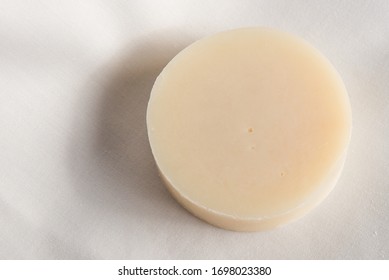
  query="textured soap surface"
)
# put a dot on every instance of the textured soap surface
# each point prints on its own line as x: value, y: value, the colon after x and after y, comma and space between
x: 249, y: 128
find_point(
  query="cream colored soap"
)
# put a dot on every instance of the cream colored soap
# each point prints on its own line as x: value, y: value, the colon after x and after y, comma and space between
x: 249, y: 128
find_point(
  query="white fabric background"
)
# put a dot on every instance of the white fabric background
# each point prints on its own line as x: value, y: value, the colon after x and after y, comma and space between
x: 77, y: 178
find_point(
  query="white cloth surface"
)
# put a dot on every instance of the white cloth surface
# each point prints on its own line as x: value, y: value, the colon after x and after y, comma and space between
x: 77, y: 178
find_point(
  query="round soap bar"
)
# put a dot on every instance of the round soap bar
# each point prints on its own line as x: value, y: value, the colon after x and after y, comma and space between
x: 249, y: 128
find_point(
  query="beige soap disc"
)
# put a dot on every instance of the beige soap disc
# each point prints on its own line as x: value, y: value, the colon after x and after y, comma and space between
x: 249, y: 128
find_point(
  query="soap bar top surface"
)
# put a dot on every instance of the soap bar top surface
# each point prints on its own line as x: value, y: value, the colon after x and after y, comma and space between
x: 249, y: 123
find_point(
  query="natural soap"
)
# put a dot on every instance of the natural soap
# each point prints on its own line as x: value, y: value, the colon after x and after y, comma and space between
x: 249, y: 128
